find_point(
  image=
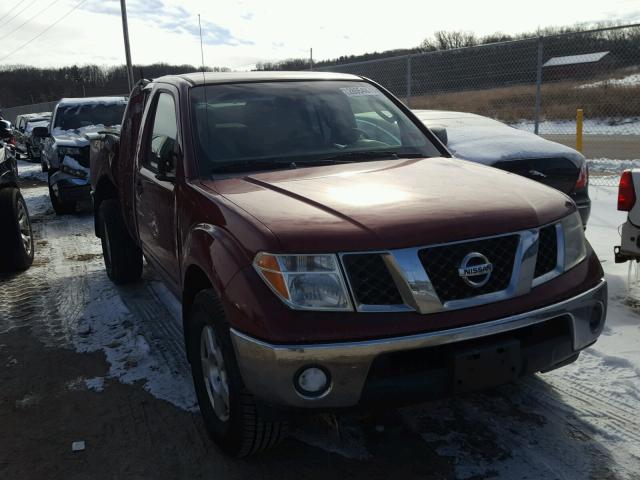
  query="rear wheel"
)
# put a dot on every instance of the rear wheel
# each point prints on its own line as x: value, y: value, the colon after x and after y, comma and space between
x: 17, y: 243
x: 122, y: 257
x: 229, y: 411
x: 61, y: 208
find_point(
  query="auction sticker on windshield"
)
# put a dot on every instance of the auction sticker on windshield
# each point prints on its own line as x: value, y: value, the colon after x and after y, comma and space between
x: 360, y: 91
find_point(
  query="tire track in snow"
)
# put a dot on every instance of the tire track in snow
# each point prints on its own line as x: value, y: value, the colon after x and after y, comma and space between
x: 605, y: 410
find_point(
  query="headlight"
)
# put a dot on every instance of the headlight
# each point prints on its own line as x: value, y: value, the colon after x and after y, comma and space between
x: 575, y: 248
x: 72, y: 171
x: 72, y: 151
x: 305, y: 282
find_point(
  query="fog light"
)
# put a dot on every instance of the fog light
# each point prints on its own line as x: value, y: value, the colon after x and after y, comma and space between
x: 595, y: 322
x: 312, y: 381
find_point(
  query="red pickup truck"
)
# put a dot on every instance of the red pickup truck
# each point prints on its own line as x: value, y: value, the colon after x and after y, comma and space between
x: 321, y: 266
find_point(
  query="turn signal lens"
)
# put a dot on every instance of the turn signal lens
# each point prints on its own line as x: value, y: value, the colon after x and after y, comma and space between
x: 305, y: 282
x: 626, y: 192
x: 270, y: 269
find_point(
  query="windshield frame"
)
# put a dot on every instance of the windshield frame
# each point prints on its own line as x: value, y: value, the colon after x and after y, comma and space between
x: 409, y: 117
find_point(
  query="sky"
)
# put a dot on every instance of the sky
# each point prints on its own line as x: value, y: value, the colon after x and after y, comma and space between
x: 239, y: 33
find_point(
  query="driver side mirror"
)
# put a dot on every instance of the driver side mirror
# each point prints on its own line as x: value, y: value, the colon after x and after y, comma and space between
x: 40, y: 132
x: 167, y: 161
x: 441, y: 133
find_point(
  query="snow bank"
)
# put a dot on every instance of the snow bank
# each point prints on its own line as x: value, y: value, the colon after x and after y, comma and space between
x: 628, y: 81
x: 592, y: 126
x: 31, y: 171
x: 609, y: 165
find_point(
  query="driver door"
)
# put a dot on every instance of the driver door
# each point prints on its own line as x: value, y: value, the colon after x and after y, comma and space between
x: 155, y: 192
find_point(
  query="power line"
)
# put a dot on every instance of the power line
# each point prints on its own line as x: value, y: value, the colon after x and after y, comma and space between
x: 14, y: 7
x: 27, y: 21
x: 78, y: 5
x: 18, y: 14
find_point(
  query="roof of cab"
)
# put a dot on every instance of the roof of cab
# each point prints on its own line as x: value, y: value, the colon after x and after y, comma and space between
x: 207, y: 78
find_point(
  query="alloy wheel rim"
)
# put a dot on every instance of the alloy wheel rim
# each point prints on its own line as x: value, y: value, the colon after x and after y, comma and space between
x: 214, y: 373
x: 25, y: 228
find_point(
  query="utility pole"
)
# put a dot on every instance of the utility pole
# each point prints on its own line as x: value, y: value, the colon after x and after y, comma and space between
x: 127, y: 49
x: 311, y: 58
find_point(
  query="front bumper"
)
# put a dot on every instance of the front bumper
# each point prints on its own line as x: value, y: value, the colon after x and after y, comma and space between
x: 629, y: 248
x: 69, y: 188
x: 268, y: 371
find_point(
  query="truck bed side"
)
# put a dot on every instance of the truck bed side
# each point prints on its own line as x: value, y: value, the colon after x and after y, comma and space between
x: 113, y: 161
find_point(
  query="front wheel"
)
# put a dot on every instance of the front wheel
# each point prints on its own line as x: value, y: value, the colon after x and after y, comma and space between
x: 60, y: 207
x: 122, y: 257
x: 229, y: 411
x: 16, y: 244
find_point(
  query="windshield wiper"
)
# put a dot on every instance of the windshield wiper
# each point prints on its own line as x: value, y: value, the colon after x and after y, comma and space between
x: 356, y: 156
x: 272, y: 164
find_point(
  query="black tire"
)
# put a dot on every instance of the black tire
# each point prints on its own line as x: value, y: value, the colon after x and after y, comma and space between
x: 17, y: 255
x: 245, y: 432
x: 61, y: 208
x: 122, y: 257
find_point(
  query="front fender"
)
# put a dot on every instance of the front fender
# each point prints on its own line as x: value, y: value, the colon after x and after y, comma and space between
x: 214, y: 251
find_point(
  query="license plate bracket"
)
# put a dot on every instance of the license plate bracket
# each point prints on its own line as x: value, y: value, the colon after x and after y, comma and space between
x: 486, y: 366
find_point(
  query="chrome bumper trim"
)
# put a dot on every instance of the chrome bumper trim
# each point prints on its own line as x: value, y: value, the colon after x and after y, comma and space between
x: 268, y: 370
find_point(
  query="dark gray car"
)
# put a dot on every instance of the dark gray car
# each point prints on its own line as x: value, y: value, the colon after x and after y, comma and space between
x: 484, y: 140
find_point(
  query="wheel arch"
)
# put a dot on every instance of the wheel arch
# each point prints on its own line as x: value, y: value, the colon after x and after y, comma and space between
x: 104, y: 190
x: 211, y: 258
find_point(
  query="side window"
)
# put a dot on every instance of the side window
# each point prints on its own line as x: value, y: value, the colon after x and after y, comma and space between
x: 162, y: 145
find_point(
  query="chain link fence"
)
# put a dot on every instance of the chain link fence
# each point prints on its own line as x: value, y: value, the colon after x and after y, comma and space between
x: 536, y: 85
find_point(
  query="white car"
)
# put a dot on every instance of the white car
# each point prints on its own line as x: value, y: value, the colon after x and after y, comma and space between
x: 628, y: 193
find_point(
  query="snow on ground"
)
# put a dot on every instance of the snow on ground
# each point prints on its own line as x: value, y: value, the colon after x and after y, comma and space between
x: 596, y: 399
x: 31, y: 171
x: 609, y: 165
x: 632, y: 80
x: 577, y: 422
x: 595, y: 126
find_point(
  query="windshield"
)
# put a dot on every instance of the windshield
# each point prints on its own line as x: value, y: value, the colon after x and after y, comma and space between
x: 246, y: 126
x: 74, y: 117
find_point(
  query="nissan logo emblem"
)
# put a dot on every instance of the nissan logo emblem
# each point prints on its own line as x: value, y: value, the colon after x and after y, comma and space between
x: 475, y: 270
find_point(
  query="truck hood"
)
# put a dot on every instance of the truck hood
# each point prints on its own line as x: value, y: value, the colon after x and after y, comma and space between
x: 77, y: 138
x: 391, y: 203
